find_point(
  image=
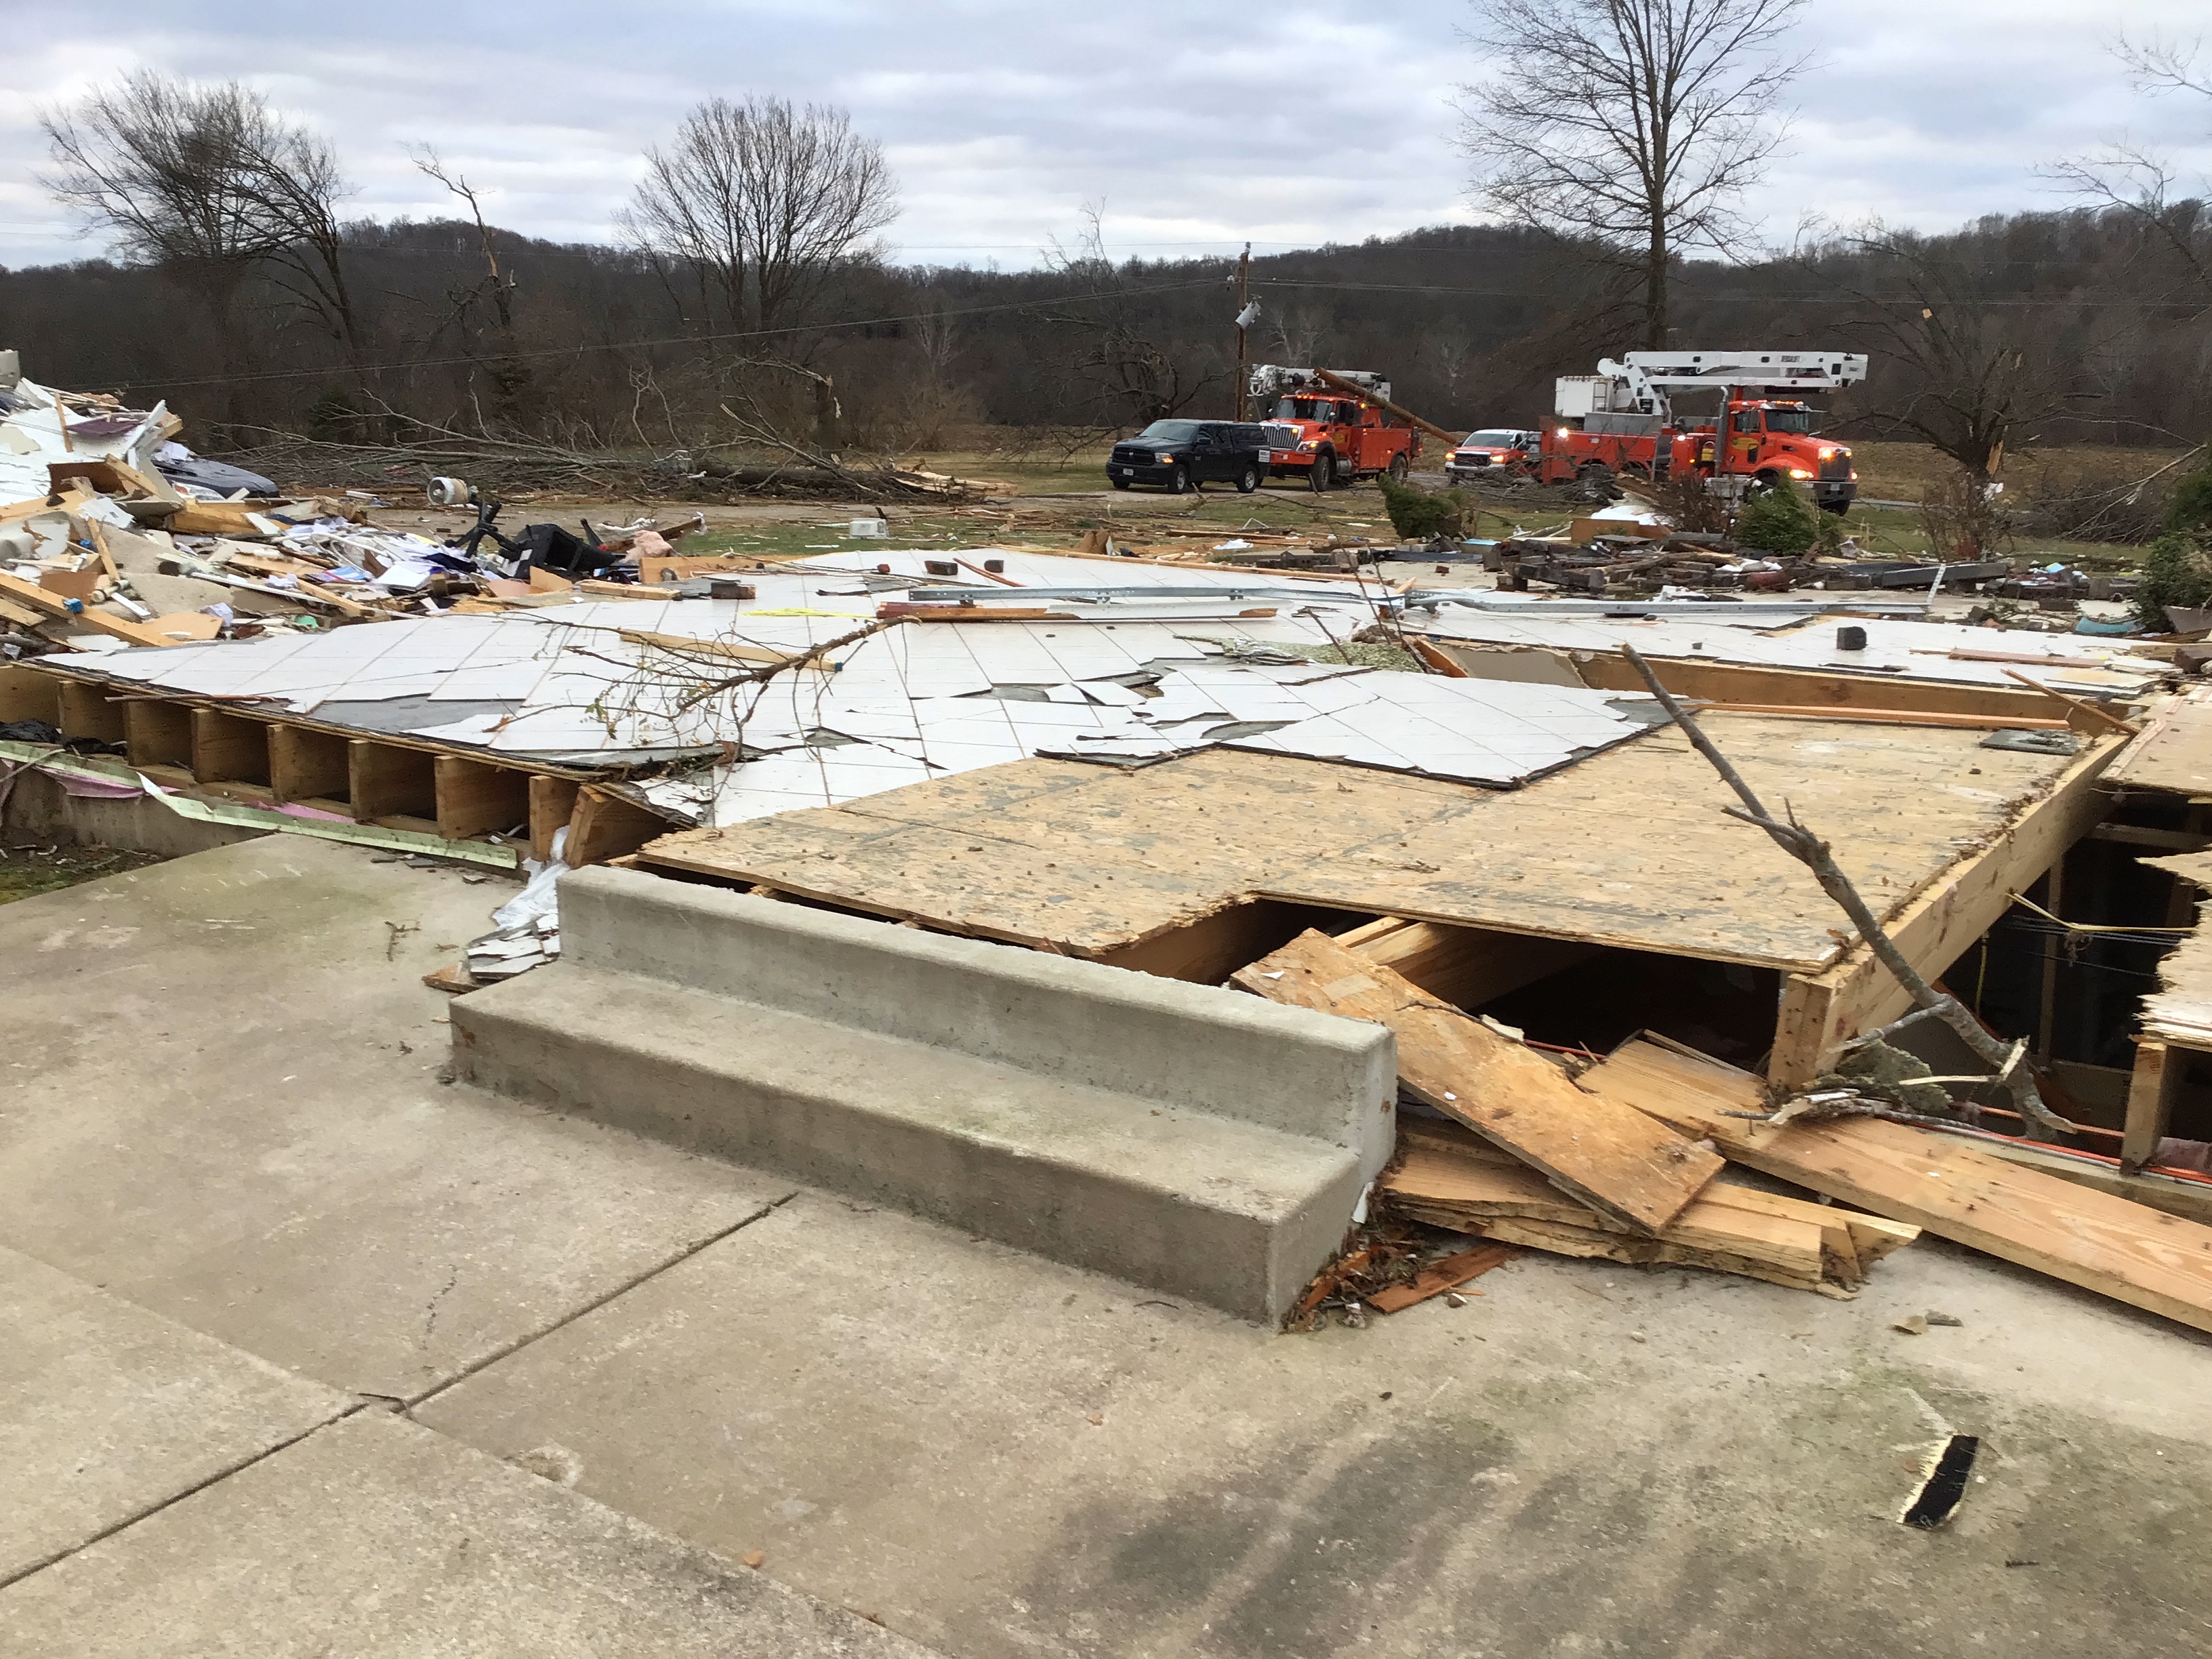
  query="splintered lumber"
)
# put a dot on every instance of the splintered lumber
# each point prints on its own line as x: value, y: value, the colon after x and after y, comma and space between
x: 1944, y: 1184
x: 48, y: 605
x: 1447, y: 1274
x: 1449, y: 1179
x: 1621, y: 1164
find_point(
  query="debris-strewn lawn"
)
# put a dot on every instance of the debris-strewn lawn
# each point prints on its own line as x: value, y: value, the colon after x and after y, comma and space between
x: 26, y: 871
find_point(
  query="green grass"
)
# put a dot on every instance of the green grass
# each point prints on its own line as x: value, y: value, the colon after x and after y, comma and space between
x: 26, y: 872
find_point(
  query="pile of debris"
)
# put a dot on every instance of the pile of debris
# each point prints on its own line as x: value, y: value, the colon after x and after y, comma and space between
x: 1500, y: 1142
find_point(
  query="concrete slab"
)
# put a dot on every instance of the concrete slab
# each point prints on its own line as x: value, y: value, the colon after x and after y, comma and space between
x: 223, y: 1102
x: 376, y: 1537
x: 1006, y: 1457
x: 107, y: 1412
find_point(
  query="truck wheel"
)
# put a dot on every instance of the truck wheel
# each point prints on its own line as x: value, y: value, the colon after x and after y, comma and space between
x: 1840, y: 509
x: 1121, y: 484
x: 1766, y: 481
x: 1248, y: 481
x: 1400, y: 465
x: 1179, y: 482
x: 1323, y: 474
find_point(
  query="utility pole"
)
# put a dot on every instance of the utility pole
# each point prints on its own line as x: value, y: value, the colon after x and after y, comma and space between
x: 1244, y: 311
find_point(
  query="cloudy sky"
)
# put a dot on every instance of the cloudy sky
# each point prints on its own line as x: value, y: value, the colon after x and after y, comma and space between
x: 1198, y: 125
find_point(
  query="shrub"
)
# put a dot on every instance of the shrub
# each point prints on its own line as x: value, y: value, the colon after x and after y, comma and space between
x: 2192, y: 502
x: 2176, y: 571
x: 1417, y: 515
x: 1777, y: 520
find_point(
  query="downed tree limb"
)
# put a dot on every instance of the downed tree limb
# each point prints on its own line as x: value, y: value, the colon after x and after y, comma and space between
x: 1808, y: 849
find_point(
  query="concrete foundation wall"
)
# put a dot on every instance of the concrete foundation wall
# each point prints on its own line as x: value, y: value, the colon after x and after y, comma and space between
x: 1212, y: 1050
x: 39, y: 809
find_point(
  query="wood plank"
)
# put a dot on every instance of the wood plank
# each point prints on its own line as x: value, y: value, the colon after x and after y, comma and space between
x: 36, y: 598
x: 1858, y: 994
x: 552, y: 804
x: 605, y: 826
x: 1447, y: 1274
x: 1439, y: 1180
x: 1207, y: 951
x: 2159, y: 1069
x: 88, y: 713
x: 305, y: 765
x: 228, y: 748
x: 385, y: 781
x: 1944, y: 1183
x: 1464, y: 966
x: 474, y: 799
x: 157, y: 733
x: 1508, y: 1094
x: 2174, y: 1195
x: 1741, y: 683
x: 2175, y: 752
x: 1901, y: 717
x: 26, y: 694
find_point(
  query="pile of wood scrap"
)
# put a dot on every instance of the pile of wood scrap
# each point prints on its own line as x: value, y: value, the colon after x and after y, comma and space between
x: 1448, y: 1177
x: 1529, y: 1156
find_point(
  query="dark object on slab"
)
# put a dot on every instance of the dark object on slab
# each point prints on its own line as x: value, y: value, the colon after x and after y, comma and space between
x: 1940, y: 1494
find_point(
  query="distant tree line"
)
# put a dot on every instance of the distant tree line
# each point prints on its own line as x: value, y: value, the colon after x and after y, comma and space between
x: 750, y: 300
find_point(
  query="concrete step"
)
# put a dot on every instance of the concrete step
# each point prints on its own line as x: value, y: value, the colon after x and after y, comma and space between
x: 1191, y: 1140
x: 1230, y: 1214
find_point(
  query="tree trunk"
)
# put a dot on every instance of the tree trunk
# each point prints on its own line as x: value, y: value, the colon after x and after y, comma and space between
x: 1654, y: 289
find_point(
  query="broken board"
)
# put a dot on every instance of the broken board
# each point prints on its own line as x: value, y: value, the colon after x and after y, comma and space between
x: 1943, y: 1183
x: 1620, y: 1163
x: 1450, y: 1179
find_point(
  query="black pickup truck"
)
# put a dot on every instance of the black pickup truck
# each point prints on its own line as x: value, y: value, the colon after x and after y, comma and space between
x: 1179, y: 455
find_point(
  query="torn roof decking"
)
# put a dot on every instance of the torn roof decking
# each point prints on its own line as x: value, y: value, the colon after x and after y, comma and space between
x: 2174, y: 753
x: 1630, y: 847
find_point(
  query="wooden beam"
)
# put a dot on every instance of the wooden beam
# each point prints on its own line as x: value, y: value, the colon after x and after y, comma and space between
x: 1944, y: 1184
x: 28, y: 694
x: 1465, y: 966
x: 1604, y: 1156
x: 383, y: 780
x: 2159, y: 1069
x: 305, y: 765
x: 475, y: 800
x: 227, y: 748
x: 157, y: 733
x: 2189, y: 1200
x: 1857, y: 993
x: 93, y: 622
x: 1736, y: 683
x: 606, y: 826
x: 86, y: 712
x: 552, y: 804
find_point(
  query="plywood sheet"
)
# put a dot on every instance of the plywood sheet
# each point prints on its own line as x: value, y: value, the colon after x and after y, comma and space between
x: 1629, y: 848
x: 1618, y: 1162
x: 1942, y: 1182
x: 2175, y: 752
x: 1633, y: 848
x: 2181, y: 1009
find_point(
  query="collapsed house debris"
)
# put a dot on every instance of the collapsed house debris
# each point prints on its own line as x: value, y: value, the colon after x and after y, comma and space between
x: 1455, y: 813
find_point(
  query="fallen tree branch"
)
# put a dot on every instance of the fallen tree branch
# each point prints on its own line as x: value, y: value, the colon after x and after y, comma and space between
x: 1808, y: 849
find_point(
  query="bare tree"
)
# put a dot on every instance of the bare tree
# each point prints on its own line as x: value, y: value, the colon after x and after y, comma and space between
x: 1630, y: 127
x: 1301, y: 332
x: 171, y: 170
x: 2132, y: 180
x: 503, y: 367
x: 293, y: 178
x: 1960, y: 373
x: 1113, y: 366
x: 761, y: 203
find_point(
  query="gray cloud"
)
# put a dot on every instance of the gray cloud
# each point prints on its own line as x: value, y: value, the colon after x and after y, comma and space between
x: 1198, y: 125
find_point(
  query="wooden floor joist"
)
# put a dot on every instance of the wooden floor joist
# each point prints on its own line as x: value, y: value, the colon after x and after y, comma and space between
x: 1941, y: 1182
x: 1857, y: 993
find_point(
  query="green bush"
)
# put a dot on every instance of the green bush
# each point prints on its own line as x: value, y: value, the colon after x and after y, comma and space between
x: 2177, y: 570
x: 2192, y: 502
x: 1778, y: 521
x: 1417, y: 515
